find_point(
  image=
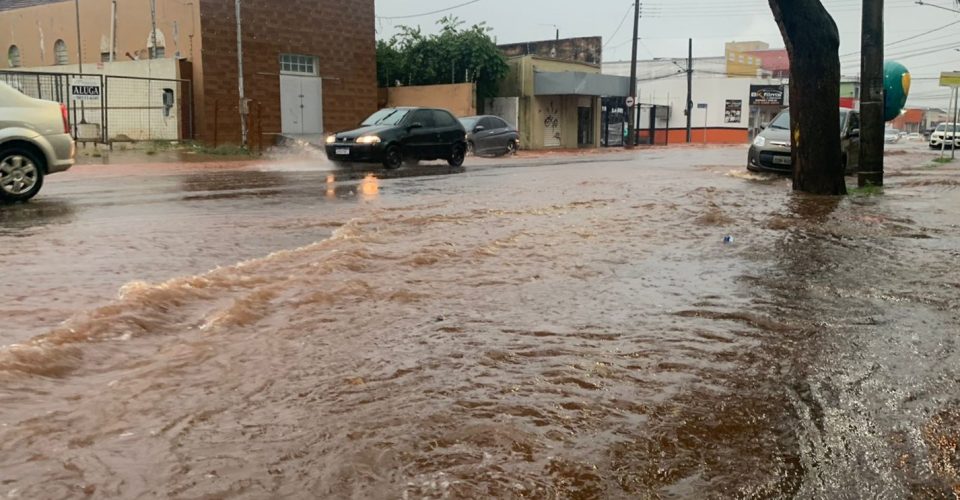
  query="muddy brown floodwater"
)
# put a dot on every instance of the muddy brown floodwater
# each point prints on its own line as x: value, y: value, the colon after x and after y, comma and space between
x: 551, y: 331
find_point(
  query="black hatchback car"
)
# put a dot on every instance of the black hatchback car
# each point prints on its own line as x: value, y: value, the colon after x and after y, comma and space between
x: 393, y: 136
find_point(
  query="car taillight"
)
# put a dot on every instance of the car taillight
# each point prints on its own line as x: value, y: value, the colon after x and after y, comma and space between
x: 66, y: 118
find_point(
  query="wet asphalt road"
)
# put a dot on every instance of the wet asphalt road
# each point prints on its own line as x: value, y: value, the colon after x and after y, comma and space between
x: 97, y: 228
x: 539, y: 328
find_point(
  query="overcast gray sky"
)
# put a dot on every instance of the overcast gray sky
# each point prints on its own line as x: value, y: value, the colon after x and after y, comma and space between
x: 666, y: 25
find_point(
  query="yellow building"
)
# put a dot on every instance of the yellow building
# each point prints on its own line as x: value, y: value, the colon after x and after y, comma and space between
x: 741, y: 61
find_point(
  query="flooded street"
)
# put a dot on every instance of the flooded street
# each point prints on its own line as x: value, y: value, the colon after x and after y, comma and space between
x: 546, y: 328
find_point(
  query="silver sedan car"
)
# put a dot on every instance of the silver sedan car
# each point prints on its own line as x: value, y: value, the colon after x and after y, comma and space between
x: 490, y: 136
x: 35, y: 141
x: 771, y: 150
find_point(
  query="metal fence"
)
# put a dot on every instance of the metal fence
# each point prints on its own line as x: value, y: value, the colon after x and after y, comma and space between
x: 129, y: 109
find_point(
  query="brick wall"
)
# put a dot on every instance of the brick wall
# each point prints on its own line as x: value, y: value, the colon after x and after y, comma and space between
x: 586, y: 50
x: 340, y: 33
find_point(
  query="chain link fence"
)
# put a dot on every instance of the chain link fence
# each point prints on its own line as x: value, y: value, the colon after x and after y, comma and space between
x: 130, y: 109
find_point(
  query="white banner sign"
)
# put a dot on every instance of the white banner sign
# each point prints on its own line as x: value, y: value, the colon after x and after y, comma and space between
x: 85, y: 89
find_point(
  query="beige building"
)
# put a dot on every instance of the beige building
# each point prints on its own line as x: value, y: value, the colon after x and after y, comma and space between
x: 557, y: 102
x: 44, y: 33
x: 308, y: 65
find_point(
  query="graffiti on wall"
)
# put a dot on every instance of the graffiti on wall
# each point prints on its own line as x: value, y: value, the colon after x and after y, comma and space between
x: 551, y: 125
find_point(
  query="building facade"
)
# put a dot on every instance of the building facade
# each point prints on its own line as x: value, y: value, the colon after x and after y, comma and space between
x: 309, y: 66
x: 553, y: 92
x: 733, y: 97
x: 556, y: 103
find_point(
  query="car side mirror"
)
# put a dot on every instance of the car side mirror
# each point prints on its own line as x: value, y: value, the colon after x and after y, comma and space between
x: 854, y: 133
x: 479, y: 128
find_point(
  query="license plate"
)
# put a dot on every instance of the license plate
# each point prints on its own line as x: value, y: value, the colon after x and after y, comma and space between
x: 342, y: 151
x: 782, y: 160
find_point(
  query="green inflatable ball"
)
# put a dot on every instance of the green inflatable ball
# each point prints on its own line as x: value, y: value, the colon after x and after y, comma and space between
x: 896, y: 86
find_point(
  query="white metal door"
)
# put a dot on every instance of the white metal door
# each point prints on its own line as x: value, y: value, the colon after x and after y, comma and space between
x: 311, y: 90
x: 301, y: 104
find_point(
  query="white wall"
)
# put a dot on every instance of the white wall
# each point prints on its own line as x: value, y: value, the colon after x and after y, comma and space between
x: 135, y: 107
x: 713, y: 91
x: 507, y: 108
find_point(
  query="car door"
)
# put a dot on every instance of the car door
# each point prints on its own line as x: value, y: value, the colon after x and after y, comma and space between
x: 851, y: 142
x: 449, y: 133
x: 421, y: 135
x: 483, y: 136
x: 501, y: 136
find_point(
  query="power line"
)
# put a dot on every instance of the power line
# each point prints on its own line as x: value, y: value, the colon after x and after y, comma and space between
x: 920, y: 2
x: 438, y: 11
x: 925, y: 33
x: 619, y: 26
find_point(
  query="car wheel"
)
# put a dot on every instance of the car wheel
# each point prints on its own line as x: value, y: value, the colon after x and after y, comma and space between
x: 512, y: 148
x: 459, y: 154
x: 392, y: 158
x: 21, y: 175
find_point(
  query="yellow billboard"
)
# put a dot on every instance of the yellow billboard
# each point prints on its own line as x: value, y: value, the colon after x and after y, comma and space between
x: 950, y: 79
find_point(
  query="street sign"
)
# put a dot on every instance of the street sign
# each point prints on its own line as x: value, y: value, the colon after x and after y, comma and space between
x: 702, y: 105
x: 85, y: 89
x: 630, y: 102
x: 950, y: 79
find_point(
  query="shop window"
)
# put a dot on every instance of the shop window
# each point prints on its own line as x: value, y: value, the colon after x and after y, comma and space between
x: 13, y: 56
x: 156, y: 45
x: 60, y: 53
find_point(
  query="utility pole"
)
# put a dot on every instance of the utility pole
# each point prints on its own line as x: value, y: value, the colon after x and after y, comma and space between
x: 113, y: 30
x: 690, y: 92
x: 871, y: 92
x: 76, y: 4
x: 83, y: 106
x: 631, y: 109
x: 243, y: 100
x: 956, y: 131
x: 153, y: 29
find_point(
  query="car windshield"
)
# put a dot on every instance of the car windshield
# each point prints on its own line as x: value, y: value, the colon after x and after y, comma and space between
x: 469, y: 123
x: 387, y: 116
x: 782, y: 121
x: 943, y: 128
x: 892, y: 131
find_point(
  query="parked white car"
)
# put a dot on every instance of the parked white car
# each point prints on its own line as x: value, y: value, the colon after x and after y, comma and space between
x: 944, y: 133
x: 35, y: 141
x: 891, y: 136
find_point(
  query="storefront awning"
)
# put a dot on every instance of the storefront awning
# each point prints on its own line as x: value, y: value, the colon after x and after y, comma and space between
x: 577, y: 83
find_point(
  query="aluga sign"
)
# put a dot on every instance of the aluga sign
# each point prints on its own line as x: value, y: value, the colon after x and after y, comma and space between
x: 85, y: 89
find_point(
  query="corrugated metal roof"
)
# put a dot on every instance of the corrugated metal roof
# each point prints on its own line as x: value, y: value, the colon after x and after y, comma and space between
x: 19, y: 4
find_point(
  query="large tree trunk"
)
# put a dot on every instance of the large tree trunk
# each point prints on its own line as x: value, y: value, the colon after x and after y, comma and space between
x: 813, y: 42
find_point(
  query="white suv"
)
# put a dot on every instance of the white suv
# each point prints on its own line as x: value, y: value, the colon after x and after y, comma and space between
x: 945, y: 132
x: 35, y: 141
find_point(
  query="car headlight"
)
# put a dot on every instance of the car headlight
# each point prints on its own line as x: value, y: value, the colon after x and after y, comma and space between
x: 760, y: 141
x: 331, y: 139
x: 368, y: 139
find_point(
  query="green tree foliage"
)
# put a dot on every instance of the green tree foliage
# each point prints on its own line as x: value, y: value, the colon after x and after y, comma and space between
x: 454, y: 55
